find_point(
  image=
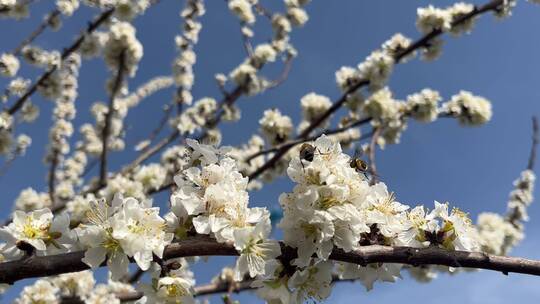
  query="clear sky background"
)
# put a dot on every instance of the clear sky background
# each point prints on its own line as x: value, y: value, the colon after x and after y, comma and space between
x: 473, y: 168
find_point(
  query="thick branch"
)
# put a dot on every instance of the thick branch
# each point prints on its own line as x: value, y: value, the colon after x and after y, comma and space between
x: 38, y: 266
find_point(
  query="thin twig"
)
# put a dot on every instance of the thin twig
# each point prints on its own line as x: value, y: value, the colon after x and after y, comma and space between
x: 108, y: 119
x: 245, y: 41
x: 38, y: 31
x: 150, y: 152
x: 52, y: 176
x: 75, y: 46
x: 284, y: 74
x: 135, y: 277
x: 162, y: 123
x: 371, y: 156
x: 39, y: 266
x: 296, y: 142
x: 535, y: 140
x: 218, y: 287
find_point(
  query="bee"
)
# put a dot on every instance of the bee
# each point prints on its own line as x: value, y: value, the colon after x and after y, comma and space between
x: 307, y: 153
x: 359, y: 165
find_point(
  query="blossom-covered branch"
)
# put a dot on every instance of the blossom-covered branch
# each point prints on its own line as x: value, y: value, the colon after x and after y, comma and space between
x: 338, y: 221
x: 92, y: 26
x: 11, y: 272
x: 380, y: 71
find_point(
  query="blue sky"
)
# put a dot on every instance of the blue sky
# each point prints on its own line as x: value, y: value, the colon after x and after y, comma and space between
x: 472, y: 168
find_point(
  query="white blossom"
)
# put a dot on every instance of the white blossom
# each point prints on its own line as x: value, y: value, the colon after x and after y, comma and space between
x: 423, y: 106
x: 431, y: 18
x: 123, y: 42
x: 276, y: 127
x: 470, y: 110
x: 242, y: 9
x: 376, y: 69
x: 254, y: 248
x: 314, y: 105
x: 42, y: 291
x: 67, y: 7
x: 30, y: 200
x: 9, y: 65
x: 38, y: 228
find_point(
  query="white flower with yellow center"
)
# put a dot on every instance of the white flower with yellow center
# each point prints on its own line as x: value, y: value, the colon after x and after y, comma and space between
x: 169, y: 289
x: 254, y: 248
x: 385, y: 211
x: 460, y: 233
x: 140, y: 231
x: 97, y: 238
x: 39, y: 229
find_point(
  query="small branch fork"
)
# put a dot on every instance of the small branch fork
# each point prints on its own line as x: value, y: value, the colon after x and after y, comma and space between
x: 39, y: 266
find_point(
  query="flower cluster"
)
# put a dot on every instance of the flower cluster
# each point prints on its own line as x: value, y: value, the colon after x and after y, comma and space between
x: 122, y: 48
x: 30, y: 200
x: 174, y: 286
x: 39, y: 57
x: 392, y: 115
x: 313, y: 107
x: 214, y: 198
x: 120, y: 229
x: 129, y: 9
x: 15, y: 9
x: 9, y: 65
x: 245, y: 75
x: 67, y: 7
x: 275, y: 126
x: 45, y: 233
x: 499, y: 235
x: 77, y: 285
x: 243, y: 9
x: 196, y: 116
x: 333, y: 205
x: 470, y: 110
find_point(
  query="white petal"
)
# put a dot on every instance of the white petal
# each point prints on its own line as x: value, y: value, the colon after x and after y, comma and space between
x: 93, y: 257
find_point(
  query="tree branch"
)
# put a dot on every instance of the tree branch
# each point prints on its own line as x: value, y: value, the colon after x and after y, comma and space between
x: 38, y: 266
x: 535, y: 140
x: 422, y: 42
x: 75, y: 46
x: 371, y: 155
x: 108, y: 119
x: 38, y: 31
x: 52, y: 176
x: 296, y: 142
